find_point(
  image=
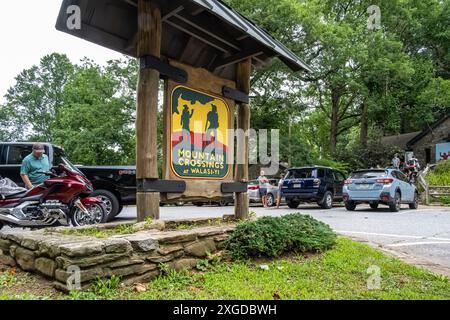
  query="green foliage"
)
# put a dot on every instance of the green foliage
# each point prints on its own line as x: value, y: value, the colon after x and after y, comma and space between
x: 440, y: 176
x: 7, y: 278
x: 374, y: 155
x: 445, y: 200
x: 273, y: 236
x: 103, y: 287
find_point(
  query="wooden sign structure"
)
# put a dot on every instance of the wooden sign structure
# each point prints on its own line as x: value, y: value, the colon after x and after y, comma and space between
x: 205, y: 51
x: 199, y: 125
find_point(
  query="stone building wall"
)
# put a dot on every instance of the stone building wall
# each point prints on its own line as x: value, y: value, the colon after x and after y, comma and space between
x: 438, y: 135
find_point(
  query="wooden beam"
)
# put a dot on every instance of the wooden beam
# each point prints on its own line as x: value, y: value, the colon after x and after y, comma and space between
x: 243, y: 73
x: 238, y: 57
x: 196, y: 34
x: 173, y: 12
x: 148, y: 43
x: 210, y: 30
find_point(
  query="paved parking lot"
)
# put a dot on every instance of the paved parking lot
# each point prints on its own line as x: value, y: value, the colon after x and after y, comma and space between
x: 423, y: 233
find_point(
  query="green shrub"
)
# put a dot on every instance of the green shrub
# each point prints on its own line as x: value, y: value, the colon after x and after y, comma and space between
x: 273, y: 236
x: 440, y: 176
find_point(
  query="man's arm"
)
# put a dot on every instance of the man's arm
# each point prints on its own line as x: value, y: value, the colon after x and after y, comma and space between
x: 27, y: 181
x: 24, y: 171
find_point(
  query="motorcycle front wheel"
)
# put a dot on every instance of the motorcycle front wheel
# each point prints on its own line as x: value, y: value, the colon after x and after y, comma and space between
x: 97, y: 215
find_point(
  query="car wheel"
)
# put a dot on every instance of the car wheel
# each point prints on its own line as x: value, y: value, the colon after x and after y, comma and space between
x: 270, y: 200
x: 222, y: 203
x: 350, y: 206
x: 374, y: 205
x: 198, y: 204
x: 293, y: 204
x: 110, y: 201
x: 414, y: 205
x: 395, y: 206
x: 179, y: 204
x: 327, y: 201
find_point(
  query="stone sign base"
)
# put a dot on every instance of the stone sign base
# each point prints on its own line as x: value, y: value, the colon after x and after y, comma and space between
x: 134, y: 257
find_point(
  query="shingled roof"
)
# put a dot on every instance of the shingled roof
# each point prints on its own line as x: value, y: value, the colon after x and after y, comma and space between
x: 202, y: 33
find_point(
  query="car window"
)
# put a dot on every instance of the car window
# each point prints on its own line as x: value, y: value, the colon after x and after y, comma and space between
x: 401, y: 176
x: 338, y: 176
x: 302, y: 174
x: 368, y: 174
x: 3, y: 152
x: 16, y: 153
x: 253, y: 183
x: 57, y: 155
x: 273, y: 182
x: 330, y: 174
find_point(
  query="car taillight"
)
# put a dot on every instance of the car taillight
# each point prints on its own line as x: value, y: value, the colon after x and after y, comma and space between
x: 385, y: 181
x: 348, y: 181
x: 253, y: 187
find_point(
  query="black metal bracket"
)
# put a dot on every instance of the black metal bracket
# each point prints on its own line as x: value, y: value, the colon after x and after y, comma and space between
x: 165, y: 69
x: 162, y: 186
x: 236, y: 95
x: 234, y: 187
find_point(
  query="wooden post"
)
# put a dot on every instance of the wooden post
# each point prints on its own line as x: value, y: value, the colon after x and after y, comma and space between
x: 243, y: 74
x: 148, y: 43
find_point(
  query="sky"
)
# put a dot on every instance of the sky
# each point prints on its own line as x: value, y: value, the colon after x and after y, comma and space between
x: 27, y: 30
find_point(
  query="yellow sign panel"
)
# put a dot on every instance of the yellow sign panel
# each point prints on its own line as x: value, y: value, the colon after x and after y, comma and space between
x: 199, y: 135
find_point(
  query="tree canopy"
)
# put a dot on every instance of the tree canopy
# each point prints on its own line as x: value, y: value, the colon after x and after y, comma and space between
x: 367, y: 83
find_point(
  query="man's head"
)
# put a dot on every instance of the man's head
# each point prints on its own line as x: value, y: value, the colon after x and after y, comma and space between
x: 396, y: 155
x: 262, y: 173
x: 38, y: 150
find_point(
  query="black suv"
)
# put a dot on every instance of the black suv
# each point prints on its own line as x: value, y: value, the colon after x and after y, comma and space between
x: 313, y: 184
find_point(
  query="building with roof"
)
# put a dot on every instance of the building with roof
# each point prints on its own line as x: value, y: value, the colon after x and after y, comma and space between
x: 429, y: 145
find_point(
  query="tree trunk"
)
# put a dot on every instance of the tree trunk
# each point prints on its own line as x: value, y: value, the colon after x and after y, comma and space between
x: 335, y: 99
x: 364, y: 125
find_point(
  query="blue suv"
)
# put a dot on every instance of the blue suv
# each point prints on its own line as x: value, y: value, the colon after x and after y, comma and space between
x: 322, y: 185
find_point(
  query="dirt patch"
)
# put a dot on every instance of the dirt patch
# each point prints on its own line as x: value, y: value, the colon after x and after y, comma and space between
x: 17, y: 283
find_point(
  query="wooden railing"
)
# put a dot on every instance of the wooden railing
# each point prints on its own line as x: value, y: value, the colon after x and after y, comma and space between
x: 432, y: 191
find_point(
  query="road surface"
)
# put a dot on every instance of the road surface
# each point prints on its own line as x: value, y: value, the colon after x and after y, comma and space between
x: 423, y: 233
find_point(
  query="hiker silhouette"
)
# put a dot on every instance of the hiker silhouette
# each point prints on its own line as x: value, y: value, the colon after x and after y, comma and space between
x: 186, y: 122
x: 212, y: 124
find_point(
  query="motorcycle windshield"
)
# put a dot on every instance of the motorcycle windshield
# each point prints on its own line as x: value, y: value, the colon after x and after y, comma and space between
x: 70, y: 165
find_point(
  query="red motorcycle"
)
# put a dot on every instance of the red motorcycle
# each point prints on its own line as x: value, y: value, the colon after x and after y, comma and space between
x: 61, y: 200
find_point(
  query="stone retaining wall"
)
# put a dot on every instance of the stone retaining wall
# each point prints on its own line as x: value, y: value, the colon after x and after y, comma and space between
x: 135, y: 258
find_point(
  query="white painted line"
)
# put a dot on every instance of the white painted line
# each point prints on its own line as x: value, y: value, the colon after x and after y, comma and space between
x: 408, y: 244
x: 392, y: 235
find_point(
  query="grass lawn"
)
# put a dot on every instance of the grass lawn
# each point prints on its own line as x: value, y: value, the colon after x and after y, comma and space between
x: 340, y: 273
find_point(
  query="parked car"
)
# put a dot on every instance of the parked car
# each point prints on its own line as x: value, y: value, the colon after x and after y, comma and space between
x: 272, y: 192
x: 381, y: 186
x: 318, y: 184
x: 115, y: 185
x: 224, y: 202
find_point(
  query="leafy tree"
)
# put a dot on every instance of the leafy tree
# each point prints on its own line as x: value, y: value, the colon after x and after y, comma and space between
x: 37, y: 96
x: 96, y: 124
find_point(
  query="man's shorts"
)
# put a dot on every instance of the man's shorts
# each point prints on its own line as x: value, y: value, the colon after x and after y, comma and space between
x: 262, y: 192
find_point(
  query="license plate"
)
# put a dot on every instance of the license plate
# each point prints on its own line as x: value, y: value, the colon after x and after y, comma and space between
x: 297, y: 186
x: 365, y: 186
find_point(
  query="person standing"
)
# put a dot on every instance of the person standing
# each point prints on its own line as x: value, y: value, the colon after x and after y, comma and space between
x: 263, y: 183
x: 396, y: 162
x: 34, y: 167
x: 280, y: 188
